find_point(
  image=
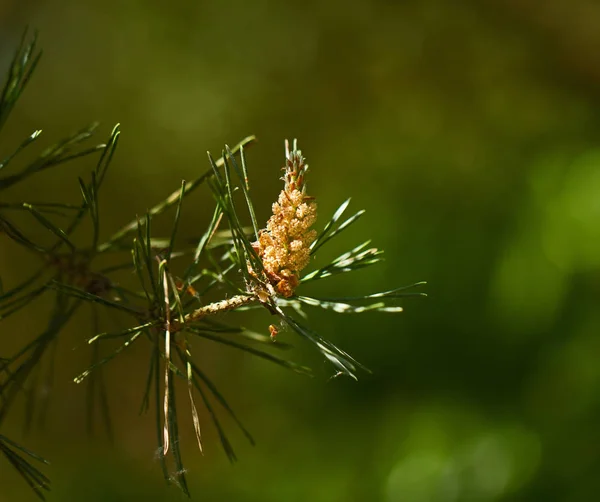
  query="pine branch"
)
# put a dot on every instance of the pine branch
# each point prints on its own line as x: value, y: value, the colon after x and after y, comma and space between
x: 252, y: 267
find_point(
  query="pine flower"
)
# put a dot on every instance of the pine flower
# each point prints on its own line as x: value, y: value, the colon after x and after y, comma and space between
x: 284, y: 246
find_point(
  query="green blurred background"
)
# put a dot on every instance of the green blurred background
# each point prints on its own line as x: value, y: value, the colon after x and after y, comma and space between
x: 470, y: 132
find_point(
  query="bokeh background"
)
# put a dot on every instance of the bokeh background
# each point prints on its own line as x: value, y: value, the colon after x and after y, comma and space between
x: 470, y: 132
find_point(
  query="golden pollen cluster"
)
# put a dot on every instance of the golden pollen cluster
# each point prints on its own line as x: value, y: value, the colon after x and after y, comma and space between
x: 284, y: 246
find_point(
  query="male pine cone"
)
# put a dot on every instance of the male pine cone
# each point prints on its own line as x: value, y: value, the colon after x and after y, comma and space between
x: 284, y: 246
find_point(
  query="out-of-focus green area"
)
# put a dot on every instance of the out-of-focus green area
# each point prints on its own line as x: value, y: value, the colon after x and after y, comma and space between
x: 470, y: 131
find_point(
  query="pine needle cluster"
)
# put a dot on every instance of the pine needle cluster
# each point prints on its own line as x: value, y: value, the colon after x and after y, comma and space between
x: 249, y: 266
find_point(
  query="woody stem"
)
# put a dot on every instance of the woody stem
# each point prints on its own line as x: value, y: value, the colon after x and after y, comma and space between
x: 214, y: 308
